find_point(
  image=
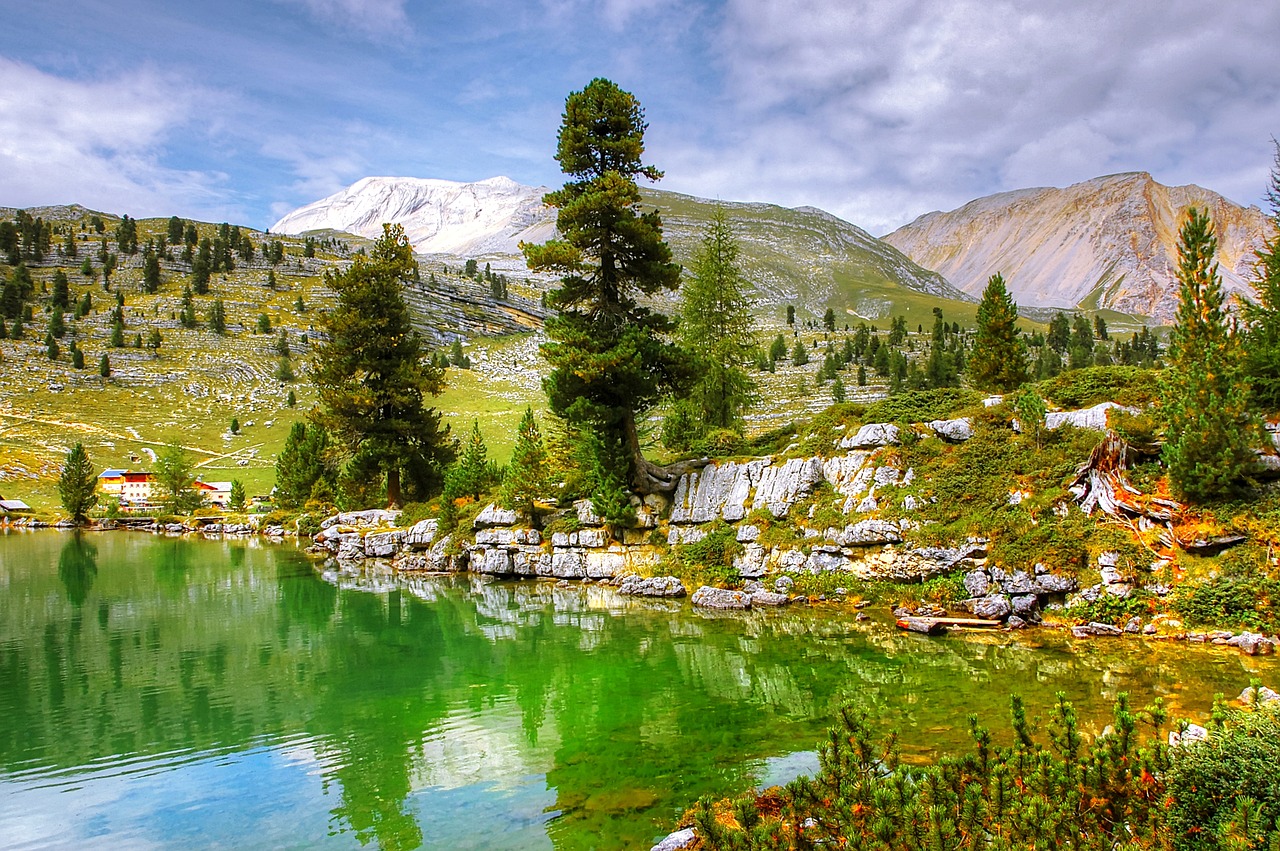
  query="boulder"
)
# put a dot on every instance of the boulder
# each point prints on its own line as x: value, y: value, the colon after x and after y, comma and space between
x: 977, y: 583
x: 568, y: 564
x: 1018, y: 583
x: 1252, y: 644
x: 1191, y: 733
x: 1024, y: 605
x: 677, y: 840
x: 992, y: 607
x: 421, y: 534
x: 1094, y: 418
x: 872, y: 435
x: 495, y: 516
x: 751, y: 564
x: 768, y: 598
x: 784, y: 584
x: 605, y: 565
x: 720, y: 598
x: 1054, y: 583
x: 1261, y: 694
x: 926, y: 626
x: 1015, y: 622
x: 748, y: 533
x: 1095, y: 629
x: 953, y: 431
x: 587, y: 514
x: 592, y: 538
x: 652, y: 586
x: 351, y: 549
x: 368, y: 518
x: 383, y: 544
x: 780, y: 487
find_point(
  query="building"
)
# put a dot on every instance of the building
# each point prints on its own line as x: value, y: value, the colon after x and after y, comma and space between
x: 214, y: 493
x: 111, y: 481
x: 137, y: 488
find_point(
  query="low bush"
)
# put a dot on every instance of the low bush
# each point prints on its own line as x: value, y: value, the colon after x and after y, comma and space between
x: 1083, y: 388
x: 918, y: 406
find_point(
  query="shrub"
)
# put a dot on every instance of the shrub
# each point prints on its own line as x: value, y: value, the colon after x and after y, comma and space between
x: 917, y: 406
x: 1082, y: 388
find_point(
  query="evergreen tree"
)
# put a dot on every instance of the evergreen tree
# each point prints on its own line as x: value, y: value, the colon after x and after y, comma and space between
x: 799, y: 355
x: 837, y: 391
x: 299, y: 305
x: 57, y: 325
x: 150, y: 271
x: 791, y: 314
x: 77, y: 484
x: 611, y: 359
x: 104, y: 366
x: 187, y: 316
x: 86, y: 268
x: 998, y: 361
x: 1262, y: 337
x: 77, y: 359
x: 371, y: 374
x: 282, y: 344
x: 175, y: 473
x: 175, y: 230
x: 1205, y: 390
x: 154, y: 341
x: 292, y: 400
x: 264, y: 324
x: 117, y: 334
x: 778, y: 349
x: 108, y: 268
x: 829, y: 319
x: 202, y: 267
x: 1059, y: 338
x: 51, y: 347
x: 218, y: 317
x: 526, y: 476
x: 127, y: 235
x: 284, y: 371
x: 61, y: 298
x: 236, y: 499
x: 69, y: 246
x: 472, y: 475
x: 301, y: 463
x: 715, y: 325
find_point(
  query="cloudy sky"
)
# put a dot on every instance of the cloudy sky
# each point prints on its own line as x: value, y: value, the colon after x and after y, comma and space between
x: 876, y: 110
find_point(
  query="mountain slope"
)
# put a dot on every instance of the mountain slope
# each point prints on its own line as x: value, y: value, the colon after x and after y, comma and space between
x: 803, y: 256
x: 1110, y: 242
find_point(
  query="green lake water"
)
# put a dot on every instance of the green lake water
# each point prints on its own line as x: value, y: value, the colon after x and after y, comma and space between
x: 172, y: 693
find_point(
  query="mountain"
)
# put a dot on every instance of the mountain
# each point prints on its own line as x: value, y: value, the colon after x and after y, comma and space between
x: 802, y: 256
x: 1110, y: 242
x: 439, y: 216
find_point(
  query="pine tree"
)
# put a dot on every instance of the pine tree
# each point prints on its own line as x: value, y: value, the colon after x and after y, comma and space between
x: 77, y: 359
x: 175, y: 473
x: 715, y: 326
x: 218, y: 317
x: 187, y: 316
x: 837, y: 391
x: 301, y: 463
x: 791, y: 314
x: 117, y: 334
x: 284, y: 370
x: 799, y: 355
x: 150, y: 271
x: 61, y: 298
x: 1262, y: 336
x: 610, y: 357
x: 236, y: 499
x: 202, y: 267
x: 526, y: 476
x: 77, y: 485
x: 104, y: 366
x: 829, y: 319
x: 51, y: 347
x: 57, y: 325
x: 998, y: 361
x: 472, y: 475
x: 372, y: 376
x: 154, y: 341
x: 1205, y: 390
x: 1059, y: 337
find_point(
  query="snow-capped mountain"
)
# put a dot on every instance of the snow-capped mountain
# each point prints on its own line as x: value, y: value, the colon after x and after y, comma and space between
x: 439, y: 216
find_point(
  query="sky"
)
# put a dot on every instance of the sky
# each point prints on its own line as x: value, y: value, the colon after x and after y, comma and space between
x: 875, y: 110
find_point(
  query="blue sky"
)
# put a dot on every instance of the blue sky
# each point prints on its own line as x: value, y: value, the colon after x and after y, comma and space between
x: 875, y: 110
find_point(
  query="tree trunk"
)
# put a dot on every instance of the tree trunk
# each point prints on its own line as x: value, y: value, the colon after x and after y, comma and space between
x: 393, y: 486
x: 647, y: 477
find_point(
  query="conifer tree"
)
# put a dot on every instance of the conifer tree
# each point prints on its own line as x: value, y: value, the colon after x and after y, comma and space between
x: 472, y: 475
x: 187, y: 316
x: 1059, y: 337
x: 117, y: 334
x: 715, y: 327
x: 218, y: 316
x: 526, y: 476
x: 1262, y: 338
x: 154, y: 341
x: 150, y: 271
x: 799, y: 355
x: 175, y: 473
x: 61, y: 297
x: 104, y: 366
x: 1205, y: 392
x: 77, y: 484
x: 998, y: 361
x: 371, y: 374
x: 301, y: 463
x: 611, y: 359
x: 236, y: 499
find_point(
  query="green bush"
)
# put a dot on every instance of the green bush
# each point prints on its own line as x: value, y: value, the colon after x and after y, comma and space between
x: 919, y: 406
x: 1083, y: 388
x: 1229, y: 601
x: 1209, y: 780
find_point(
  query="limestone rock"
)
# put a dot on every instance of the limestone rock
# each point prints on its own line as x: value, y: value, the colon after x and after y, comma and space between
x: 495, y: 516
x: 1252, y: 644
x: 421, y: 534
x: 592, y: 538
x: 383, y: 544
x: 748, y: 533
x: 768, y: 598
x: 1024, y: 605
x: 784, y: 584
x: 869, y: 533
x: 751, y: 564
x: 977, y: 583
x: 586, y: 513
x: 1053, y: 583
x: 720, y: 598
x: 652, y: 586
x: 677, y: 840
x: 371, y: 517
x: 1192, y: 733
x: 1262, y: 694
x: 351, y: 549
x: 1095, y: 629
x: 993, y: 606
x: 780, y: 487
x: 953, y: 431
x: 872, y: 435
x: 1093, y: 418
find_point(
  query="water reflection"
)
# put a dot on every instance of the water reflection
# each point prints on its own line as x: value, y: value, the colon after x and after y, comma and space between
x: 463, y: 712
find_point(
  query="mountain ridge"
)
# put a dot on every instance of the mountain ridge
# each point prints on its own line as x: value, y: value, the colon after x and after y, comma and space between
x: 1107, y: 242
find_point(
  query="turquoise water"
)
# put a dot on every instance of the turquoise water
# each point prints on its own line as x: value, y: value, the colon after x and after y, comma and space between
x: 171, y: 693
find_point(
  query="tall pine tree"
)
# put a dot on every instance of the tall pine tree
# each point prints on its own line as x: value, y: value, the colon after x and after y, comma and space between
x: 77, y: 485
x: 372, y: 377
x: 611, y: 359
x: 1205, y: 391
x: 998, y: 361
x: 1262, y: 339
x: 526, y: 477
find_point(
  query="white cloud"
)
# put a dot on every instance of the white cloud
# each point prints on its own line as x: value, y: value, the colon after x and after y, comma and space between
x: 97, y: 143
x: 880, y: 111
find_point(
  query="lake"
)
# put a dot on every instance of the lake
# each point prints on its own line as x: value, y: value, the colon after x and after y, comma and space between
x: 163, y: 692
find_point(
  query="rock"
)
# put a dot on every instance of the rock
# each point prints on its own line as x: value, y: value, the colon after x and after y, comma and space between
x: 1252, y: 644
x: 1149, y: 629
x: 568, y: 564
x: 586, y: 513
x: 1192, y: 733
x: 784, y: 584
x: 748, y: 533
x: 867, y: 505
x: 351, y: 549
x: 991, y: 607
x: 1018, y: 583
x: 751, y: 564
x: 953, y: 431
x: 1015, y: 622
x: 421, y: 534
x: 869, y: 533
x: 1095, y: 629
x: 1213, y: 546
x: 383, y: 544
x: 1134, y: 625
x: 371, y: 517
x: 1094, y: 418
x: 977, y: 583
x: 1054, y: 583
x: 684, y: 535
x: 752, y: 586
x: 768, y: 598
x: 652, y: 586
x: 605, y: 565
x: 1110, y: 575
x: 926, y: 626
x: 592, y: 538
x: 825, y: 561
x: 871, y: 436
x: 791, y: 560
x: 1261, y: 694
x: 677, y: 840
x: 720, y: 598
x: 495, y: 516
x: 780, y: 487
x: 1024, y: 605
